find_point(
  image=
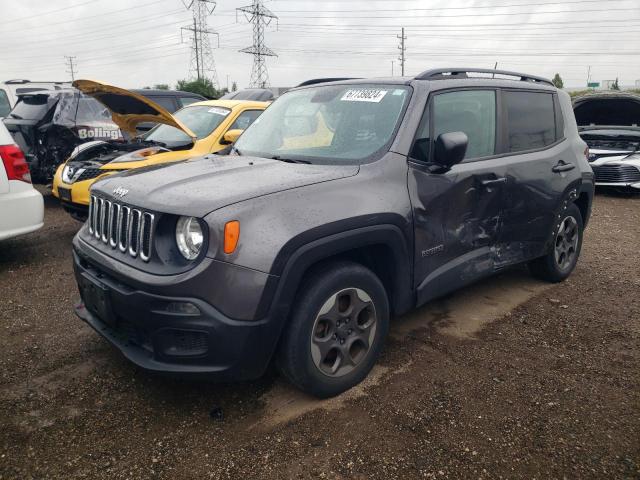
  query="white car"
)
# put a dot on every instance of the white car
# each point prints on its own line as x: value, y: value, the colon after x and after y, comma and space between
x: 610, y: 124
x: 21, y: 205
x: 10, y: 89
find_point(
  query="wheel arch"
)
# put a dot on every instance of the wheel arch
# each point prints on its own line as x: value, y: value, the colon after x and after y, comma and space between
x: 381, y: 248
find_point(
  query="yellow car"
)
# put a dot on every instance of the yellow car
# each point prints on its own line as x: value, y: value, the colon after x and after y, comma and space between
x: 195, y: 130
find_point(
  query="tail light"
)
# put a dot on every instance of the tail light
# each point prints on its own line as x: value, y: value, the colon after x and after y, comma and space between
x: 15, y: 163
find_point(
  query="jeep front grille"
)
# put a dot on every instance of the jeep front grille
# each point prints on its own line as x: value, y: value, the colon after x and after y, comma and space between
x: 122, y: 227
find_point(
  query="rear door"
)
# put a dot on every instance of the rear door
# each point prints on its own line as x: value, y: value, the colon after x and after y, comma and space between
x: 457, y: 214
x: 540, y: 170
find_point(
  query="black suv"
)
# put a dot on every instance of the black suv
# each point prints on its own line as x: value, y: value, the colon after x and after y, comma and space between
x: 344, y: 204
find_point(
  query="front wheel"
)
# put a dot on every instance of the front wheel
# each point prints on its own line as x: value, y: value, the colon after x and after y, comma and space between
x: 562, y: 258
x: 337, y: 330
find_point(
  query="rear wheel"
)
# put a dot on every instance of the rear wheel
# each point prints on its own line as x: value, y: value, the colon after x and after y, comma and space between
x: 562, y: 258
x: 337, y: 330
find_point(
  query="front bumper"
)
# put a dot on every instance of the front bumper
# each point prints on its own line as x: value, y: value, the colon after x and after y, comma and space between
x: 151, y: 333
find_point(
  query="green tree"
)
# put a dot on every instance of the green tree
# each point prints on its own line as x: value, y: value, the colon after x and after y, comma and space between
x: 615, y: 85
x: 557, y: 81
x: 234, y: 87
x: 161, y: 86
x: 201, y: 86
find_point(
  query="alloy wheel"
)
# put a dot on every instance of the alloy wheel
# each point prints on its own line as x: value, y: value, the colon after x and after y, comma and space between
x: 566, y: 246
x: 343, y: 332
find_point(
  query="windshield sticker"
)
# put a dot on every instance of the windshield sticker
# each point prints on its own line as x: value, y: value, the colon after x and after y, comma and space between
x: 219, y: 111
x: 398, y: 91
x: 372, y: 95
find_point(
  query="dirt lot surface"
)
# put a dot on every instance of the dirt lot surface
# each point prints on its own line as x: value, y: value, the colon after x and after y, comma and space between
x: 511, y: 378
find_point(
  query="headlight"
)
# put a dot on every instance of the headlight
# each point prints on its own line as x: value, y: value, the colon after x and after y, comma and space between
x: 189, y: 237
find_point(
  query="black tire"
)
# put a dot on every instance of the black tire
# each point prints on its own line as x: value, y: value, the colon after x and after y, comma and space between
x: 346, y: 286
x: 548, y: 267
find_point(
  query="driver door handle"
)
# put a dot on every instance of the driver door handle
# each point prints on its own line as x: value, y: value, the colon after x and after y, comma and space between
x: 492, y: 182
x: 561, y: 166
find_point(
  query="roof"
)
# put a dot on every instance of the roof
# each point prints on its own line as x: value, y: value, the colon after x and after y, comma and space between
x: 231, y: 103
x: 455, y: 77
x: 165, y: 93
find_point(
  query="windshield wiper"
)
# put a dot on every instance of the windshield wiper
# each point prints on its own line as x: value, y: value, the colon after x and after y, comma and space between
x: 236, y: 151
x: 17, y: 117
x: 289, y: 160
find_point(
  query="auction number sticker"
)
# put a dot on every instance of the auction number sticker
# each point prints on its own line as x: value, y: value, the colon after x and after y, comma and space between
x: 219, y: 111
x: 372, y: 95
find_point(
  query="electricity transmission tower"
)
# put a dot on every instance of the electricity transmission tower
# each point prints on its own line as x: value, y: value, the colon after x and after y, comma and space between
x: 260, y: 17
x: 71, y: 69
x: 402, y: 49
x: 202, y: 63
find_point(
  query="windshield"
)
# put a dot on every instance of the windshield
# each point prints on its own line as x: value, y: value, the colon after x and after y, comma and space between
x: 330, y: 124
x: 201, y: 120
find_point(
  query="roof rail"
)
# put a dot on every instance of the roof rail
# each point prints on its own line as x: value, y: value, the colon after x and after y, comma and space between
x: 313, y: 81
x: 452, y: 73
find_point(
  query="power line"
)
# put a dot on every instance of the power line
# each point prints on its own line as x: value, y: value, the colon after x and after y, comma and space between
x: 260, y: 17
x: 71, y: 69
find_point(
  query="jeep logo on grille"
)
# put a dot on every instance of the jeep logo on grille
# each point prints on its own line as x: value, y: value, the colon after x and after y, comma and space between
x: 120, y: 192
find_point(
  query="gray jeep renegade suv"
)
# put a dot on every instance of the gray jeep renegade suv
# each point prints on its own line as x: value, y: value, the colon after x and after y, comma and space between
x: 344, y: 204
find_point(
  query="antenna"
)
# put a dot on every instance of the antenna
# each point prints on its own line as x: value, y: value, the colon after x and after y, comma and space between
x: 202, y: 62
x: 259, y: 16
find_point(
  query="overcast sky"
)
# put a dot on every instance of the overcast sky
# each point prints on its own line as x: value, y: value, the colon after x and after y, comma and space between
x: 137, y: 44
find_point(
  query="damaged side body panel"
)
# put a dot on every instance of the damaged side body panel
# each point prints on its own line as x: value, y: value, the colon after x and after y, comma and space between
x: 48, y: 125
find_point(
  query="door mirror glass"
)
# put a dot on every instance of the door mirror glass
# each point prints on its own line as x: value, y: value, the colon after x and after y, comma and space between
x: 450, y: 149
x: 231, y: 136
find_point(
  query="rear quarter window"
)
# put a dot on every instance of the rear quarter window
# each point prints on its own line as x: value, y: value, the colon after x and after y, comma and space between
x: 531, y: 120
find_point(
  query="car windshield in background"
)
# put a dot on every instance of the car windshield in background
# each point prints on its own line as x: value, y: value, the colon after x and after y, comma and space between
x: 328, y: 124
x: 30, y: 107
x: 201, y: 120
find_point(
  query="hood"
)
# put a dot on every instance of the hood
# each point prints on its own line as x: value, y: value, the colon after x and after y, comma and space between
x: 199, y: 186
x: 129, y: 109
x: 610, y: 110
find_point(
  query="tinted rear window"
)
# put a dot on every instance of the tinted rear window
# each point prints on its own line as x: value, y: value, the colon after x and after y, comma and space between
x: 5, y: 106
x: 531, y: 122
x: 30, y: 107
x: 165, y: 102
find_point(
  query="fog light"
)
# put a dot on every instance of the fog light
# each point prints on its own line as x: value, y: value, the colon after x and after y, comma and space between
x: 182, y: 308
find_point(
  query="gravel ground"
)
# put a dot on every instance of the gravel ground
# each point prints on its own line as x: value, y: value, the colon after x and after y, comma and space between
x: 511, y: 378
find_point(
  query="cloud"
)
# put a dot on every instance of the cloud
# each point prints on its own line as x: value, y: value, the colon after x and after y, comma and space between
x: 140, y: 44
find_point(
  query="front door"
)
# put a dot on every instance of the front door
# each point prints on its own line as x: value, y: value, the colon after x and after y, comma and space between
x: 457, y: 214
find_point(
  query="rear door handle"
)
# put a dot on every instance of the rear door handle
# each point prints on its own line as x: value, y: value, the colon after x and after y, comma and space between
x: 563, y: 167
x: 493, y: 182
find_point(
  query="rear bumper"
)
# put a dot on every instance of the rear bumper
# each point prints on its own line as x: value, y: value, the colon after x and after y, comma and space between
x: 22, y: 210
x: 149, y: 331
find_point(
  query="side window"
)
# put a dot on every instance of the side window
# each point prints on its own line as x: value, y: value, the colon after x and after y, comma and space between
x: 531, y: 121
x: 165, y: 102
x: 5, y: 106
x: 422, y: 143
x: 184, y: 101
x: 472, y: 112
x: 245, y: 119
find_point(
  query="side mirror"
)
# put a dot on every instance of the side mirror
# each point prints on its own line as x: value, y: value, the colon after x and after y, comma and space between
x: 231, y: 136
x: 450, y: 149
